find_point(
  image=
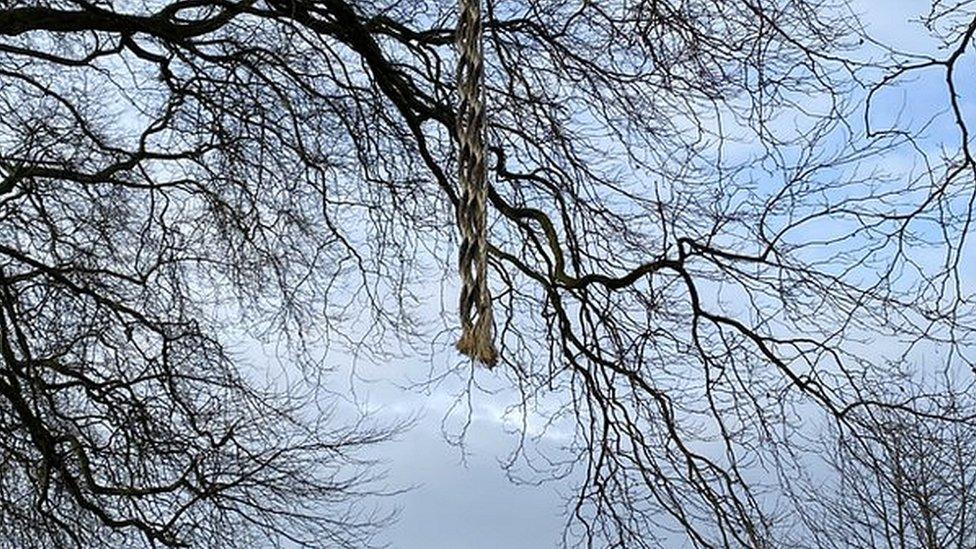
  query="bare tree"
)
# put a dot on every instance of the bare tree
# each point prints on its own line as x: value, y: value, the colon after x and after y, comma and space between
x: 149, y: 201
x: 695, y: 239
x: 902, y: 480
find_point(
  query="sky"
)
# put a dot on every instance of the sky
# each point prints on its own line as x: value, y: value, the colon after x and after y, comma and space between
x: 460, y: 498
x: 463, y: 500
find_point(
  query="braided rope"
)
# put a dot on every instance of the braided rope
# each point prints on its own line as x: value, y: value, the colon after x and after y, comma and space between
x: 477, y: 327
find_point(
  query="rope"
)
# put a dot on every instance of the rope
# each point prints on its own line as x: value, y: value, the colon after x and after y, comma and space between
x: 477, y: 327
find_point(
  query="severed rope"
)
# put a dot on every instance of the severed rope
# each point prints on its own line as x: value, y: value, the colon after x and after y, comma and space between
x: 477, y: 326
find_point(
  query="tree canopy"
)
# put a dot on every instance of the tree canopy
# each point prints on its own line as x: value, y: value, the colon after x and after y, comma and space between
x: 709, y: 229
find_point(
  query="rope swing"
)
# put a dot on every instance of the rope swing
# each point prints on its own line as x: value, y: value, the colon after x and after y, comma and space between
x: 477, y: 327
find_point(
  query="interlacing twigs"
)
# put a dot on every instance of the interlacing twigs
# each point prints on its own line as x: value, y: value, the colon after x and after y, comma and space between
x: 477, y: 330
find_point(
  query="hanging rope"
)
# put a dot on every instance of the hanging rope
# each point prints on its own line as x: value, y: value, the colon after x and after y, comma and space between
x: 477, y: 326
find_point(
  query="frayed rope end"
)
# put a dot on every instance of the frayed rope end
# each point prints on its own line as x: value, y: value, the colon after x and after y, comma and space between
x: 477, y: 344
